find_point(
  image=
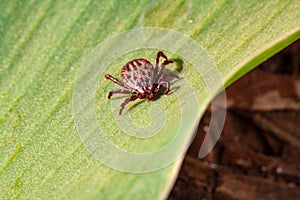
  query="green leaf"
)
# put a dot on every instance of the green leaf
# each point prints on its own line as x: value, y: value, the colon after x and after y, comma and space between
x: 43, y: 45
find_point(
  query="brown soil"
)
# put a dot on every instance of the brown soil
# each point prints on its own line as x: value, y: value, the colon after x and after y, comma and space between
x: 257, y: 155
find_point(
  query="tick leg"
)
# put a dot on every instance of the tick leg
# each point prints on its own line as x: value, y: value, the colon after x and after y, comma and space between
x: 169, y: 75
x: 132, y: 98
x: 113, y: 79
x: 119, y: 91
x: 166, y: 84
x: 158, y: 55
x: 162, y: 66
x: 166, y: 76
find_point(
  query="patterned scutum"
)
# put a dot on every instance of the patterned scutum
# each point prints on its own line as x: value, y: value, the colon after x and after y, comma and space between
x: 137, y: 74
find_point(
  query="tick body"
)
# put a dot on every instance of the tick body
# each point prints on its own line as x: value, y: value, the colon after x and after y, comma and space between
x: 142, y: 80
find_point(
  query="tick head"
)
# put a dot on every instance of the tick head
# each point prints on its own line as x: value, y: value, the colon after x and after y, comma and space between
x: 149, y: 93
x: 150, y: 96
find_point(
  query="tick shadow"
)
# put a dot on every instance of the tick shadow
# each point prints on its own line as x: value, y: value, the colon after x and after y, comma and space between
x: 179, y: 64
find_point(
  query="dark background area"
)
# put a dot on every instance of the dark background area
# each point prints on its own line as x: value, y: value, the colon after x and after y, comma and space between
x: 257, y: 154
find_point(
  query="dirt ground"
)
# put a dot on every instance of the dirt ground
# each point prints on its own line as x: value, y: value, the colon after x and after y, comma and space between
x: 257, y: 154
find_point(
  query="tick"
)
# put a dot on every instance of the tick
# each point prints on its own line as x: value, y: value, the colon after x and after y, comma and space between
x: 142, y: 80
